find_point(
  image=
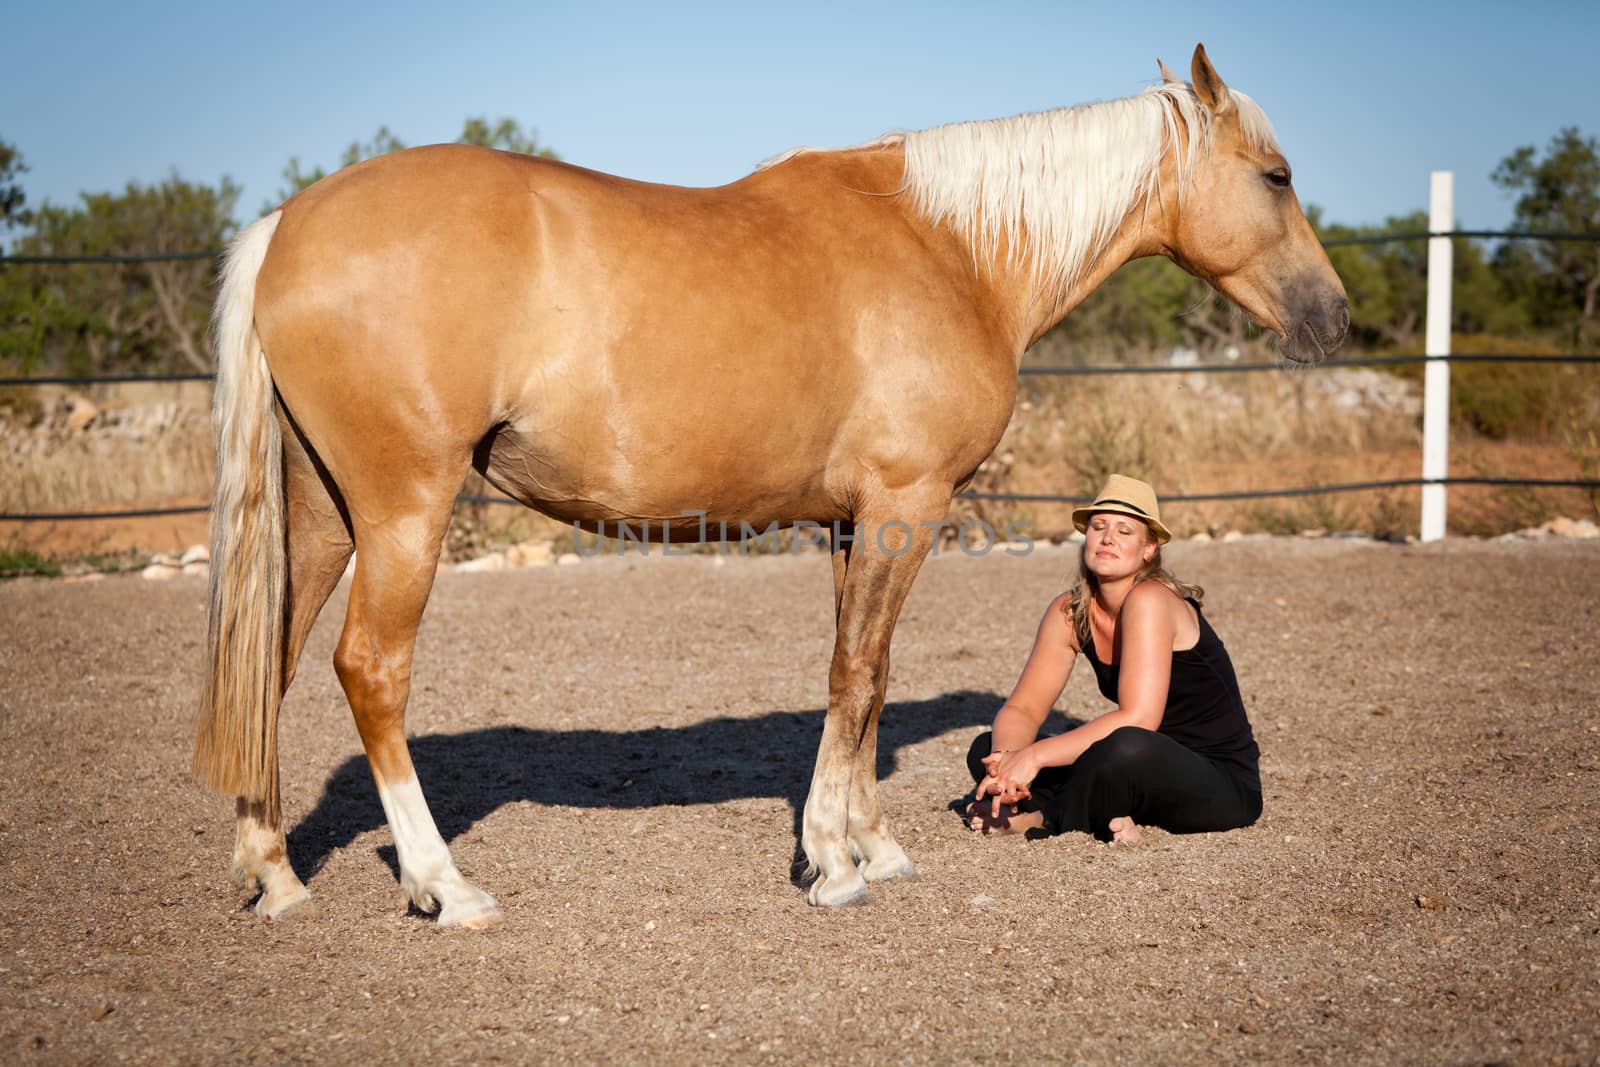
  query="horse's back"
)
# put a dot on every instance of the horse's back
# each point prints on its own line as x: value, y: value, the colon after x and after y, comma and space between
x: 515, y: 262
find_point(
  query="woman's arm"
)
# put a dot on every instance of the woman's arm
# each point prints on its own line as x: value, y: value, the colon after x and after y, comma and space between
x: 1147, y: 629
x: 1044, y: 676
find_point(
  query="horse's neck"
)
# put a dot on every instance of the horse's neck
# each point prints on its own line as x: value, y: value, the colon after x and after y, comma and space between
x: 1007, y: 284
x: 1015, y: 294
x: 1133, y: 240
x: 1035, y: 304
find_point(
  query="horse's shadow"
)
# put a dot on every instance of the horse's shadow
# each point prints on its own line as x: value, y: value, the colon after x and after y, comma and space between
x: 468, y: 776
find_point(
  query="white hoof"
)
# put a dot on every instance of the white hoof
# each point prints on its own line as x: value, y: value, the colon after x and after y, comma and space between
x: 280, y: 889
x: 478, y: 914
x: 838, y: 892
x: 889, y: 868
x: 278, y: 906
x: 458, y: 901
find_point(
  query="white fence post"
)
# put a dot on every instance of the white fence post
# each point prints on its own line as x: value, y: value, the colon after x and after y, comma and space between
x: 1436, y: 381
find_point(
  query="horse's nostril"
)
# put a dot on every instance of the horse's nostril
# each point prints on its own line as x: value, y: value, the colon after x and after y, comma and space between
x: 1338, y: 319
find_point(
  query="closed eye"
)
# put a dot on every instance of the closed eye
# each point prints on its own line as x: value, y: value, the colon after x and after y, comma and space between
x: 1278, y: 178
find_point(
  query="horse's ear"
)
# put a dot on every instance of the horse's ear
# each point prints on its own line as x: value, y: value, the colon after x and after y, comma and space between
x: 1166, y: 73
x: 1208, y: 85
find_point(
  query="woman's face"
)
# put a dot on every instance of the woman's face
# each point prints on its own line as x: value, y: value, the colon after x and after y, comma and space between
x: 1116, y: 545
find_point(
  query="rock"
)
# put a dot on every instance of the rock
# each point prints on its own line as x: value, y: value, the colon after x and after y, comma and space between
x: 92, y: 576
x: 196, y: 554
x: 530, y: 554
x: 199, y: 568
x: 1565, y: 527
x: 1231, y: 536
x: 568, y: 559
x: 159, y: 572
x: 494, y: 561
x: 1201, y: 536
x: 80, y: 413
x: 1427, y: 903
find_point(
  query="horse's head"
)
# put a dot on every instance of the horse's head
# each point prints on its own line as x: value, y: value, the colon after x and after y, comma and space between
x: 1240, y: 227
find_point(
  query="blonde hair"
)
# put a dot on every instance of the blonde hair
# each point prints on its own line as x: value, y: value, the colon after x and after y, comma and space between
x: 1077, y: 607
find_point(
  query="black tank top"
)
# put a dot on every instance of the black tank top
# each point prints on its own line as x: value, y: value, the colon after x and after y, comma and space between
x: 1204, y: 711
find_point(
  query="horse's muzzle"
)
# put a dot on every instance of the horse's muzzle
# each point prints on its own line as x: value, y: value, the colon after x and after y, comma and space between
x: 1318, y: 329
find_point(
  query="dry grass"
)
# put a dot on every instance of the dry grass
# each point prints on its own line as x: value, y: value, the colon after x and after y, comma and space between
x: 1197, y: 434
x: 1186, y: 433
x: 141, y: 442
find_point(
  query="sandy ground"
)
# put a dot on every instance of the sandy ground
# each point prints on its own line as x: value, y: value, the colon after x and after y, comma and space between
x: 618, y: 752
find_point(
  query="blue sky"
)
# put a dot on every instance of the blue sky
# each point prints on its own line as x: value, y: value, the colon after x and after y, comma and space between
x: 1367, y: 98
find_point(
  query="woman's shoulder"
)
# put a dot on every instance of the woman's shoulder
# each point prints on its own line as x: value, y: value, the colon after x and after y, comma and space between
x: 1153, y: 596
x: 1154, y: 604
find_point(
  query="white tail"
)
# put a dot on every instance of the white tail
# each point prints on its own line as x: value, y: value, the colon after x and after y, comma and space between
x: 236, y: 738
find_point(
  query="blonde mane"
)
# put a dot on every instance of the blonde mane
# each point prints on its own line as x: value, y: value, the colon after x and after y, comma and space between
x: 1052, y: 187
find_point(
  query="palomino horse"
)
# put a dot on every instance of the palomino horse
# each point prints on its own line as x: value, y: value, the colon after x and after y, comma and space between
x: 833, y: 339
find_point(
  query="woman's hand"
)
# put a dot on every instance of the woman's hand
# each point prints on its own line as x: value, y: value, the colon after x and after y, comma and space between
x: 1009, y: 776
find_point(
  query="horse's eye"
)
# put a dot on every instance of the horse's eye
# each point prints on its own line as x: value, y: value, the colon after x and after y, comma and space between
x: 1279, y: 178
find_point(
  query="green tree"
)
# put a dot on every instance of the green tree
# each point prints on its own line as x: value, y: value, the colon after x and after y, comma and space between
x: 121, y: 317
x: 383, y: 142
x: 17, y: 326
x: 1147, y: 307
x: 1556, y: 192
x: 1387, y: 283
x: 506, y: 134
x: 12, y: 199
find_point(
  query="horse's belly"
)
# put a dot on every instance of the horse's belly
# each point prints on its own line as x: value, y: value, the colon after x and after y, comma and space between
x: 590, y: 480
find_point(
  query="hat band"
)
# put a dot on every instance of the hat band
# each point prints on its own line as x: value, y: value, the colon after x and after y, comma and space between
x: 1124, y: 503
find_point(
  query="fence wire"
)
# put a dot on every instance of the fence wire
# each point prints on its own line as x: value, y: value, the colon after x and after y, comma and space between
x: 1030, y: 369
x: 1021, y: 498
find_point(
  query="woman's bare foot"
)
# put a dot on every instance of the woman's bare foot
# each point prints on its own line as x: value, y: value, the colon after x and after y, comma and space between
x: 981, y: 817
x: 1125, y: 831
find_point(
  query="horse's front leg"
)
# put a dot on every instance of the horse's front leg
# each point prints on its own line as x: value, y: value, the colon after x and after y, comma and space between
x: 868, y: 829
x: 891, y: 539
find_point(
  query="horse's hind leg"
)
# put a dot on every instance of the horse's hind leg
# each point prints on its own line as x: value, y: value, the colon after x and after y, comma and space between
x: 318, y: 544
x: 397, y: 551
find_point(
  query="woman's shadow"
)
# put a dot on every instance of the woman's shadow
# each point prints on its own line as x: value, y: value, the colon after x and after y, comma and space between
x: 469, y: 775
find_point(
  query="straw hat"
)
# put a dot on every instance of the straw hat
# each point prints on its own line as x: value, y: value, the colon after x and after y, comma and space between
x: 1126, y: 496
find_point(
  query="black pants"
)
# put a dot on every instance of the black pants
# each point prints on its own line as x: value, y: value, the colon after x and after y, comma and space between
x: 1138, y: 773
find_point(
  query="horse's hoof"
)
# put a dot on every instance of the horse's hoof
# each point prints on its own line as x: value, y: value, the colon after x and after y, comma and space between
x: 899, y: 869
x: 483, y: 920
x: 838, y: 893
x: 281, y: 907
x: 474, y: 911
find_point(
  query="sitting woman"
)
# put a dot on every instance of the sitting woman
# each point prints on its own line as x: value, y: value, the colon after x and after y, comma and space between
x: 1177, y: 752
